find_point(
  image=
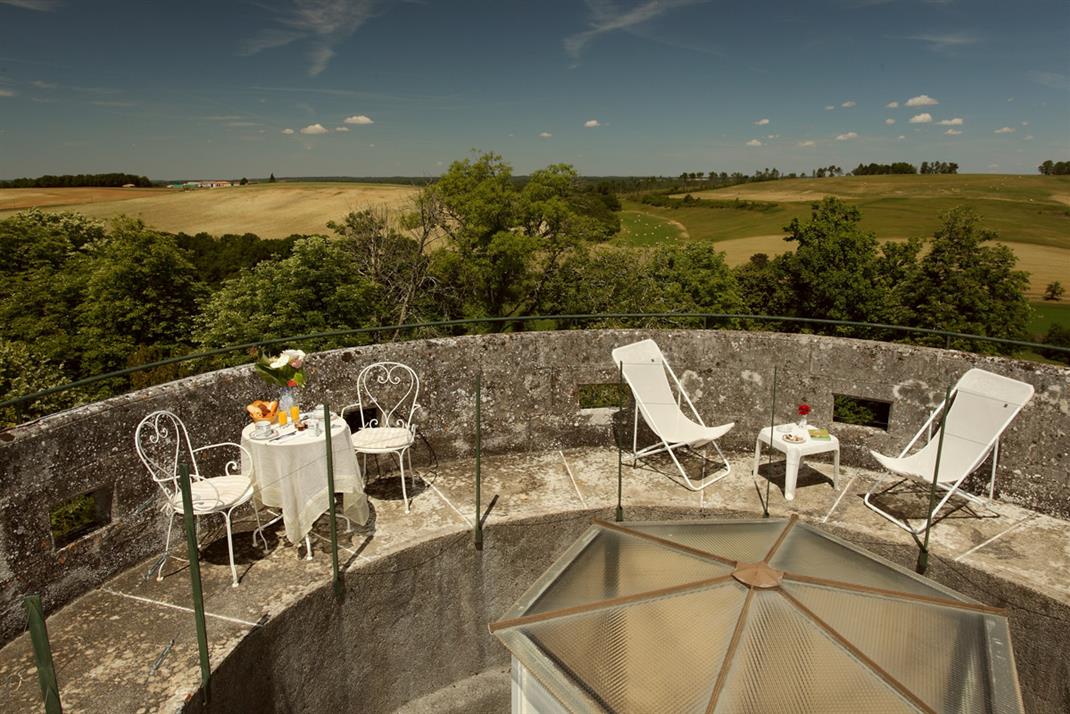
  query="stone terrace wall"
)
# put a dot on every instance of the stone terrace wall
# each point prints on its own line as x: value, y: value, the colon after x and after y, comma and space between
x: 530, y: 402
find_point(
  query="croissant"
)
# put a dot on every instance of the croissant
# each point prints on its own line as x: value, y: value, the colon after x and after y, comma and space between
x: 262, y: 410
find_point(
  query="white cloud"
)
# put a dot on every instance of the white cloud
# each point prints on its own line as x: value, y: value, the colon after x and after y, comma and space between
x: 1028, y: 137
x: 39, y: 5
x: 772, y: 136
x: 892, y: 105
x: 341, y: 128
x: 889, y: 121
x: 314, y: 129
x: 1025, y: 123
x: 44, y: 85
x: 900, y: 137
x: 754, y: 142
x: 6, y: 93
x: 808, y: 142
x: 993, y: 166
x: 923, y: 118
x: 922, y: 100
x: 957, y: 121
x: 592, y: 124
x: 946, y: 41
x: 359, y: 119
x: 545, y: 135
x: 761, y: 122
x: 324, y: 24
x: 952, y: 132
x: 606, y: 17
x: 1005, y: 130
x: 241, y: 124
x: 1053, y: 80
x: 287, y: 131
x: 848, y: 136
x: 849, y: 103
x: 829, y: 107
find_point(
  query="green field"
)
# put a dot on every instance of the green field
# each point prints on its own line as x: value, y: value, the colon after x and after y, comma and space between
x: 1030, y: 213
x: 1046, y: 314
x: 643, y: 229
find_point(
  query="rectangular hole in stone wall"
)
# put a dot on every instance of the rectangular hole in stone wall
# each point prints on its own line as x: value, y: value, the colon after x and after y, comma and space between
x: 862, y: 412
x: 355, y: 418
x: 599, y: 396
x: 79, y: 516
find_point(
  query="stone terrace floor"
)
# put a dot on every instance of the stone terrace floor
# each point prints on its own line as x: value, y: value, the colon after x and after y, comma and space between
x: 130, y: 646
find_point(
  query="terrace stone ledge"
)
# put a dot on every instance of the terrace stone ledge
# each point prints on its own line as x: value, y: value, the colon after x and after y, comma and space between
x: 418, y: 596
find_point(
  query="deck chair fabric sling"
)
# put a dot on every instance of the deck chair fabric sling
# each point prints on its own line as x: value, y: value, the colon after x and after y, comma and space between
x: 647, y: 373
x: 983, y: 405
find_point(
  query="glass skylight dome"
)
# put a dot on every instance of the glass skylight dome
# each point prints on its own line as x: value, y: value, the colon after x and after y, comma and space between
x: 749, y: 616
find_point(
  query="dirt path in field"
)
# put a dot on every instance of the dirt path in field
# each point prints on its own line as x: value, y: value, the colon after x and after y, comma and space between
x: 677, y: 224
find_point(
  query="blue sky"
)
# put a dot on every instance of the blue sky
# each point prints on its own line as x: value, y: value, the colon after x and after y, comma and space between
x: 230, y: 88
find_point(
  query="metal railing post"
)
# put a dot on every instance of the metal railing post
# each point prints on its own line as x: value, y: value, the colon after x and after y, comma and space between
x: 923, y: 547
x: 330, y: 500
x: 619, y: 515
x: 195, y: 575
x: 42, y: 654
x: 769, y: 458
x: 477, y: 528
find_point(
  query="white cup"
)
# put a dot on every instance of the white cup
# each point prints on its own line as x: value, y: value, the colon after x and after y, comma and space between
x: 263, y: 427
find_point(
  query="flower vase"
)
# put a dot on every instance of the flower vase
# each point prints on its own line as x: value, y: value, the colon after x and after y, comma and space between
x: 287, y: 398
x: 802, y: 423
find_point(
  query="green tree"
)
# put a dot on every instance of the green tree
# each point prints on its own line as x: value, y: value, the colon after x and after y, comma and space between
x: 23, y: 371
x: 316, y: 289
x: 271, y: 178
x: 1054, y: 291
x: 244, y: 181
x: 964, y: 283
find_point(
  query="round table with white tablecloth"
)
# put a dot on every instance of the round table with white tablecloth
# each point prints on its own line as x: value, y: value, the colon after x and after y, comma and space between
x: 289, y: 472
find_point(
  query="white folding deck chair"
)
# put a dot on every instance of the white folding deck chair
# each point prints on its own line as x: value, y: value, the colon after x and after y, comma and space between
x: 984, y: 404
x: 647, y: 373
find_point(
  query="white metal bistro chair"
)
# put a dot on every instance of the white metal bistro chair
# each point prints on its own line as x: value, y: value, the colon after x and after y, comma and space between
x: 390, y: 390
x: 983, y: 405
x: 162, y: 443
x: 647, y: 373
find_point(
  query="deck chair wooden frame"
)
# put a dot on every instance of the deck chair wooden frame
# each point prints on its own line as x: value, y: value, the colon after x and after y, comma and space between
x: 647, y: 374
x: 983, y: 406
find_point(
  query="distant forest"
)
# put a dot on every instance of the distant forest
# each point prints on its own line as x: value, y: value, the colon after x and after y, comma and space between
x: 73, y: 180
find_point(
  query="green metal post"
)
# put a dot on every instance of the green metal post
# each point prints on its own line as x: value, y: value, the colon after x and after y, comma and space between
x: 42, y: 654
x: 619, y: 516
x: 923, y: 553
x: 772, y: 431
x: 477, y: 529
x: 195, y: 574
x: 330, y: 500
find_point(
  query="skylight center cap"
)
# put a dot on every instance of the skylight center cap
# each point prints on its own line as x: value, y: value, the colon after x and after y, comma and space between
x: 758, y: 575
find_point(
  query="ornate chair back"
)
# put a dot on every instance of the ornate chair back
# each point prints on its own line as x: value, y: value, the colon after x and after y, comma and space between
x: 391, y: 389
x: 162, y: 443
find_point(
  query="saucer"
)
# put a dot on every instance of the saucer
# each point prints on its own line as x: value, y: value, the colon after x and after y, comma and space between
x: 794, y: 438
x: 264, y: 437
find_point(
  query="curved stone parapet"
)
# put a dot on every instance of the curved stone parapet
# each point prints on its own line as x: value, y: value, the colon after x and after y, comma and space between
x: 531, y: 383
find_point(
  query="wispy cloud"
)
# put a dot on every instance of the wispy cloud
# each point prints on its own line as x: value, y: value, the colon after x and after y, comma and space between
x: 287, y: 131
x: 115, y: 104
x: 754, y: 142
x: 241, y: 124
x: 829, y: 107
x: 38, y: 5
x: 359, y: 120
x: 952, y: 132
x: 956, y: 121
x: 1005, y: 130
x: 848, y: 136
x: 889, y: 121
x: 849, y: 103
x: 922, y: 100
x: 807, y: 143
x: 6, y: 92
x: 341, y: 128
x: 761, y: 122
x: 592, y: 124
x: 545, y: 135
x: 321, y: 24
x: 923, y: 118
x: 608, y: 16
x: 943, y: 42
x: 892, y: 105
x: 1054, y: 80
x: 314, y: 129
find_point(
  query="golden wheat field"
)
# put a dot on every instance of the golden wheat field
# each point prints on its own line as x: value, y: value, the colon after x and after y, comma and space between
x: 268, y: 210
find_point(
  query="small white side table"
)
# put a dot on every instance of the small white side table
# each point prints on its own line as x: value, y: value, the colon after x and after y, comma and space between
x: 794, y: 454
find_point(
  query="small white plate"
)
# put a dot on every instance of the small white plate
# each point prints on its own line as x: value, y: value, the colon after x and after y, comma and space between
x: 264, y: 437
x: 794, y: 438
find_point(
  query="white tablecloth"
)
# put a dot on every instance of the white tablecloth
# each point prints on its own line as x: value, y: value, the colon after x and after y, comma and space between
x: 291, y: 474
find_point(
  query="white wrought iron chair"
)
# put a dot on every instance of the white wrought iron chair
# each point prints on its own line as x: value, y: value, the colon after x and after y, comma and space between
x: 983, y: 405
x: 162, y: 443
x: 390, y: 389
x: 647, y: 373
